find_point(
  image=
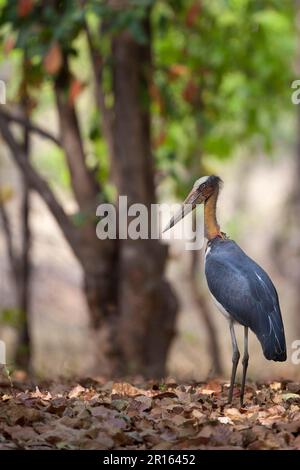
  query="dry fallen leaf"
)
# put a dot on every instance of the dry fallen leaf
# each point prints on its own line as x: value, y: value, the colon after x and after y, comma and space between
x: 290, y: 396
x: 225, y: 420
x: 103, y: 415
x: 234, y: 414
x: 293, y: 387
x: 206, y: 391
x: 141, y: 403
x: 124, y: 388
x: 76, y: 391
x: 275, y: 386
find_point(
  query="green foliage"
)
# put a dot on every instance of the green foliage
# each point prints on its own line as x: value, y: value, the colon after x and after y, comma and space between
x: 43, y: 24
x: 221, y: 76
x: 119, y: 19
x: 51, y: 162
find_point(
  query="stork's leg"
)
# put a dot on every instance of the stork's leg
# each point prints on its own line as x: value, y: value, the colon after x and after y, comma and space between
x: 245, y: 363
x: 235, y: 360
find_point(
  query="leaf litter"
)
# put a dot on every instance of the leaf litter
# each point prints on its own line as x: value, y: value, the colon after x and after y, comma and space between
x: 97, y: 414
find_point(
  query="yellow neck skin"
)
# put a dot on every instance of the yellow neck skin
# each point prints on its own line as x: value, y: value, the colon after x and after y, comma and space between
x: 212, y: 228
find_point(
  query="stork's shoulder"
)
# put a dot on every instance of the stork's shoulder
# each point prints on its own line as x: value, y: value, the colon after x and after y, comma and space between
x: 219, y: 244
x: 228, y: 259
x: 224, y: 249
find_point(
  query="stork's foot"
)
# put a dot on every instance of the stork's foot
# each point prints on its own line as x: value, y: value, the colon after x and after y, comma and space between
x: 242, y: 402
x: 232, y: 394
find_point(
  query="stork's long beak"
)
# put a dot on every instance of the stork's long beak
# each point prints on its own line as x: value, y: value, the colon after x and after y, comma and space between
x: 195, y: 197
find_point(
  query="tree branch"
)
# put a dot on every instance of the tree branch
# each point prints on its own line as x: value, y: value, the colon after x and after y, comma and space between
x: 84, y: 183
x: 27, y: 124
x: 36, y: 182
x: 107, y: 114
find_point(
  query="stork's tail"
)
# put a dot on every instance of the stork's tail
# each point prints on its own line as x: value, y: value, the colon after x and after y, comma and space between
x: 272, y: 338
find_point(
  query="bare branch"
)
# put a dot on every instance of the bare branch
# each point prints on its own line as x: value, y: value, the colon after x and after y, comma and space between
x: 27, y: 124
x: 36, y: 182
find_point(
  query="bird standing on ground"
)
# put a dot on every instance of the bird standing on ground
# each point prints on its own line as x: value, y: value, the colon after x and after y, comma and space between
x: 240, y: 288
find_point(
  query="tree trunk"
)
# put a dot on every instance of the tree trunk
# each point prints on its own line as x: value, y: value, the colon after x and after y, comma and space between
x: 146, y: 303
x: 97, y: 257
x: 24, y: 347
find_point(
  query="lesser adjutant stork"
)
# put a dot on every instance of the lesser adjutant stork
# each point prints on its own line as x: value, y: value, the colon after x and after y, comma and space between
x: 240, y: 288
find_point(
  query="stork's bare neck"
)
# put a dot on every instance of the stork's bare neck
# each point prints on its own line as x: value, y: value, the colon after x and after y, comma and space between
x: 211, y: 226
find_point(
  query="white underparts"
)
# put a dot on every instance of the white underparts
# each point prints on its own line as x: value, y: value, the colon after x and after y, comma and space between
x: 220, y: 307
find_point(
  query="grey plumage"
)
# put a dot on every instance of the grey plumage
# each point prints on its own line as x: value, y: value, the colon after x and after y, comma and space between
x: 247, y: 293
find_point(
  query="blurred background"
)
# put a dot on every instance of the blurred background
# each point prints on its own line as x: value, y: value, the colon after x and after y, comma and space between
x: 142, y: 97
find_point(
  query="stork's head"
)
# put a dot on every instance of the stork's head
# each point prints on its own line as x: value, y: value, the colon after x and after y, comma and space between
x: 202, y: 190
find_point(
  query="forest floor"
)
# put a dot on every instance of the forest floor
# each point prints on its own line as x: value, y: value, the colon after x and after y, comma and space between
x: 99, y: 414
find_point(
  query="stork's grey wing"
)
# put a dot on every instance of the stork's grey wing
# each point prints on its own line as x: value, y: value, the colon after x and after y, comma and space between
x: 247, y: 293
